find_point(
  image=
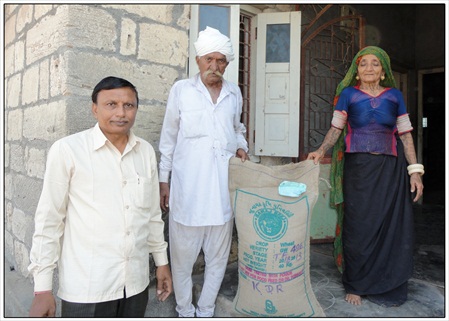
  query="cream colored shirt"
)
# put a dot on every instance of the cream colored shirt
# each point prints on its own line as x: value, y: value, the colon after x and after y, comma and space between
x: 197, y: 139
x: 98, y: 218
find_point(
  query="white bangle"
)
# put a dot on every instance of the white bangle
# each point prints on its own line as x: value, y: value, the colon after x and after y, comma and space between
x: 415, y: 168
x: 420, y: 171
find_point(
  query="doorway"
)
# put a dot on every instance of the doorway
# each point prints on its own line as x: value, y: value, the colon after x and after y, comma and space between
x: 433, y: 136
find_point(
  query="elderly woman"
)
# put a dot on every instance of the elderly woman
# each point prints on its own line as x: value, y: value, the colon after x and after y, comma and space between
x: 369, y: 167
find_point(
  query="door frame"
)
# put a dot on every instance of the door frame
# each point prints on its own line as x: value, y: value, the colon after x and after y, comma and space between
x: 420, y: 115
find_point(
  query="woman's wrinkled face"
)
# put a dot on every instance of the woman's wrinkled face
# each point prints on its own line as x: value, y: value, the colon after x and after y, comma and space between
x: 370, y: 69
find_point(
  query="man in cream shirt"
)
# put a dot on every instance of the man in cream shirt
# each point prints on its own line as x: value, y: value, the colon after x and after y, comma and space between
x: 98, y: 216
x: 200, y: 133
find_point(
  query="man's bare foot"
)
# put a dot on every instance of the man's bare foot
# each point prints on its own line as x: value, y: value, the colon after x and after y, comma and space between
x: 353, y: 299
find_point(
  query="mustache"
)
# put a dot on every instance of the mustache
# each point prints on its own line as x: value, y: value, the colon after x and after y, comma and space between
x: 208, y: 72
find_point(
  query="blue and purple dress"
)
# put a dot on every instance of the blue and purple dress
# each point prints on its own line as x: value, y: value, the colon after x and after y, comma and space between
x: 378, y: 236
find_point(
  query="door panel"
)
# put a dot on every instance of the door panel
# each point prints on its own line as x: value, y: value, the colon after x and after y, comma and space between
x: 277, y: 84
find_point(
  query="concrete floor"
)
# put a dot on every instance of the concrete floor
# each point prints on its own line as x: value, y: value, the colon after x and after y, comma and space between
x: 426, y: 298
x: 426, y: 289
x: 426, y: 294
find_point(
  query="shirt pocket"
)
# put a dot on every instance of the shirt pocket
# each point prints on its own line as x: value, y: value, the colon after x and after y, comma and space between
x: 143, y: 195
x: 194, y: 123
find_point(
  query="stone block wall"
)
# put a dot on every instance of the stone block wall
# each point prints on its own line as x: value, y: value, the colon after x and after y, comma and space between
x: 54, y: 56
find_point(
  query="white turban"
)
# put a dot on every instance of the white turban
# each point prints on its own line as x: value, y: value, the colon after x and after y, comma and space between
x: 211, y: 40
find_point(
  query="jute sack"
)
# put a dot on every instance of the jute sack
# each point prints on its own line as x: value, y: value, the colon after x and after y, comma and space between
x: 273, y: 239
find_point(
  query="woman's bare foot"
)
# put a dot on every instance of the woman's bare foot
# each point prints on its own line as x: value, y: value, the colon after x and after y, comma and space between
x: 353, y: 299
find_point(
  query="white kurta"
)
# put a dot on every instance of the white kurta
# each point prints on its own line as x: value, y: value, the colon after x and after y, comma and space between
x: 198, y: 137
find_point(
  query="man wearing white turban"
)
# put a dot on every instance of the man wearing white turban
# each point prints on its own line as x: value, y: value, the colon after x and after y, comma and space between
x: 200, y: 133
x: 211, y: 40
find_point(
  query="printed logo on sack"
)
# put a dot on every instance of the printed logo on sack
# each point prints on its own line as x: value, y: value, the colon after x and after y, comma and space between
x: 270, y: 221
x: 269, y: 307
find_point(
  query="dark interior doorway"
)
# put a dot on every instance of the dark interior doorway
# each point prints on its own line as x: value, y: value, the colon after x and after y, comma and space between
x: 434, y: 137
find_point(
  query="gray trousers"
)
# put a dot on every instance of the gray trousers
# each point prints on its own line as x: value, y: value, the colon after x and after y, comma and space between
x: 132, y: 307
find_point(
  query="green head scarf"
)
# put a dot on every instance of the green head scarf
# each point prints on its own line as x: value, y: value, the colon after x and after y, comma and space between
x: 350, y: 79
x: 336, y: 173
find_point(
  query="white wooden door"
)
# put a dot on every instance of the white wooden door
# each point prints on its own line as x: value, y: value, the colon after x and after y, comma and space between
x: 277, y: 84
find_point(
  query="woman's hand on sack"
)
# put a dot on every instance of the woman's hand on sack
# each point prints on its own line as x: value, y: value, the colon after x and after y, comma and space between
x: 316, y: 156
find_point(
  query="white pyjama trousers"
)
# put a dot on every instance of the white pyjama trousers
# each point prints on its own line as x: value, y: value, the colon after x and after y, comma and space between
x: 186, y: 243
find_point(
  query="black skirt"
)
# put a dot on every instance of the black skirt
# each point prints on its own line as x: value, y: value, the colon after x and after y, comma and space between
x: 378, y: 235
